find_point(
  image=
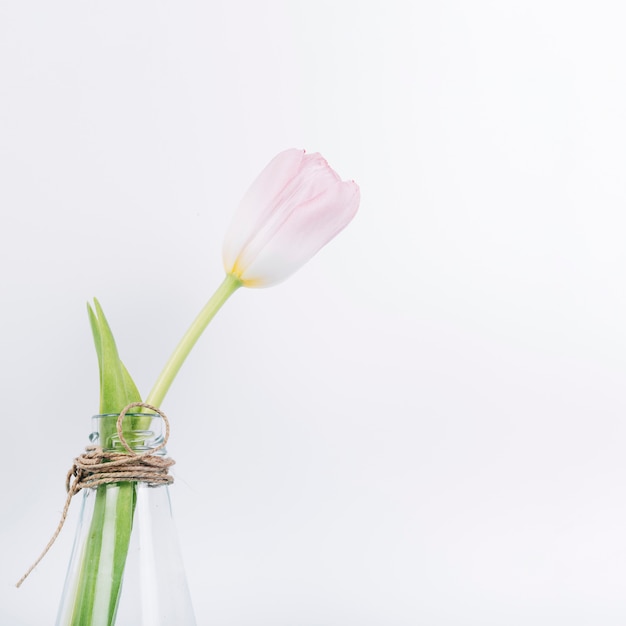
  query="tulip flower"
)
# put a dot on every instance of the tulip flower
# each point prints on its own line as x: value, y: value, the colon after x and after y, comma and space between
x: 295, y: 206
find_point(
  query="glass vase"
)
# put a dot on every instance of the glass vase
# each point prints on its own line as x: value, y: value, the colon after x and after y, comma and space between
x: 126, y: 567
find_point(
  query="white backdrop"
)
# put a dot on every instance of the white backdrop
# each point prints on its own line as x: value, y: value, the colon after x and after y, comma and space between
x: 425, y: 425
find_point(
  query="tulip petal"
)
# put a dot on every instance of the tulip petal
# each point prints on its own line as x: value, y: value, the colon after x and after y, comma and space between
x: 256, y: 205
x: 302, y: 234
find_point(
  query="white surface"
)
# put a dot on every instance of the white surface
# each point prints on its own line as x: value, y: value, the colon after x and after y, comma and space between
x: 426, y: 424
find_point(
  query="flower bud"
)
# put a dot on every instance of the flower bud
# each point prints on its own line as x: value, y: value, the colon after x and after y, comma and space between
x: 294, y: 208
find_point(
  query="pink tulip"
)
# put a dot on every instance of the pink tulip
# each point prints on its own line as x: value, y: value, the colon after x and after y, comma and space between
x: 294, y: 208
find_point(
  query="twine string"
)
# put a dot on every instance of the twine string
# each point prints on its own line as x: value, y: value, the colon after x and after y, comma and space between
x: 97, y: 467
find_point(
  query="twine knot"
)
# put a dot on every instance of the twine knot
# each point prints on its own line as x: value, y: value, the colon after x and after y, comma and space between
x: 97, y: 467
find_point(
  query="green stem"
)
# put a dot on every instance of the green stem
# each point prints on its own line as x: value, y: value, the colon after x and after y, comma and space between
x: 224, y: 291
x: 103, y: 567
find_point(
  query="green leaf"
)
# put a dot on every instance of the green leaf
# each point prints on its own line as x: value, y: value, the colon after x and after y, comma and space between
x: 102, y: 572
x: 117, y: 388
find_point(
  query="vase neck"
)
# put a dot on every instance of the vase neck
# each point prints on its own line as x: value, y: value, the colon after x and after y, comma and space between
x: 141, y: 431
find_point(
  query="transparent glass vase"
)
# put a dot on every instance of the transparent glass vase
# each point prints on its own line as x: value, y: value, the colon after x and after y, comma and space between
x: 126, y: 567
